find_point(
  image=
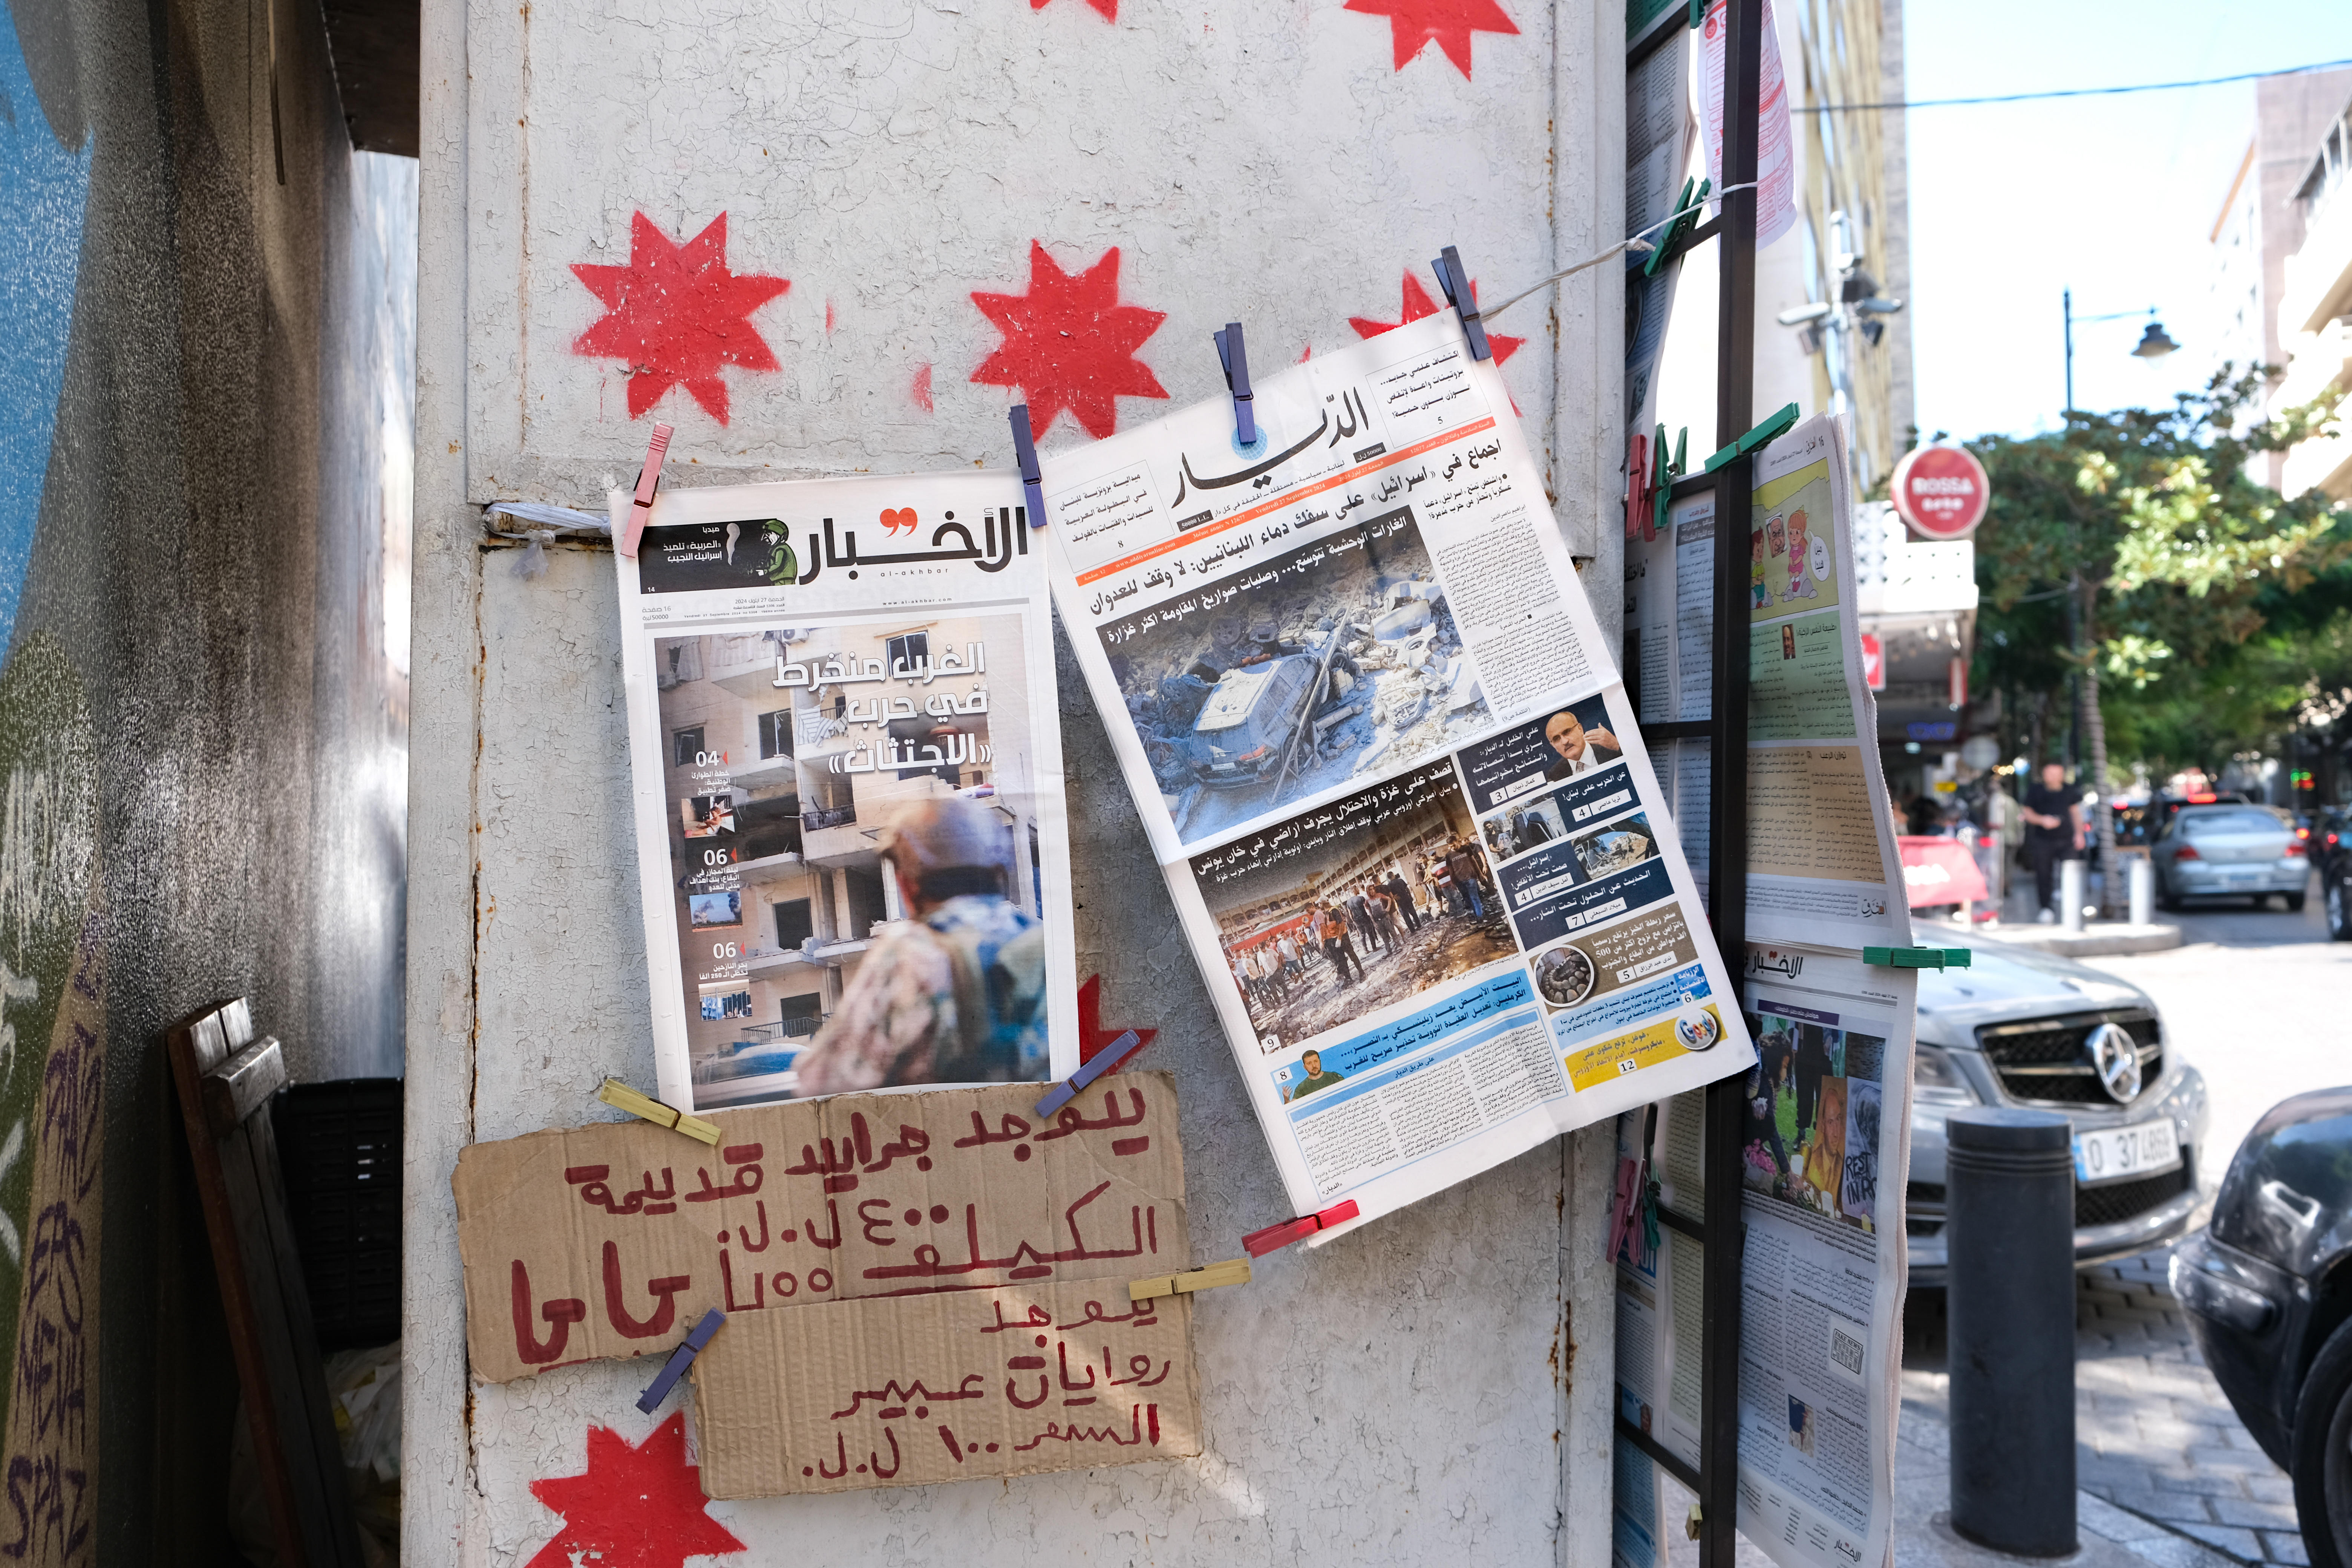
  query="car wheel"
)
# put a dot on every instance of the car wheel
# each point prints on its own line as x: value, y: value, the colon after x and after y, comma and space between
x: 2166, y: 899
x: 2339, y: 912
x: 2294, y: 903
x: 2323, y: 1454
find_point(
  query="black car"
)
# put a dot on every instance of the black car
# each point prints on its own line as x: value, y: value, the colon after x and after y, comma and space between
x: 2268, y: 1290
x: 2331, y: 857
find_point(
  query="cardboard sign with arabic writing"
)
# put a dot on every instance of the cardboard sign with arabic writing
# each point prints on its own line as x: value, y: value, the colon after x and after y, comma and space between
x: 610, y: 1240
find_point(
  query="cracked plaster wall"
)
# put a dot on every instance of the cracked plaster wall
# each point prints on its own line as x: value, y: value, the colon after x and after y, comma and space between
x: 1434, y: 1386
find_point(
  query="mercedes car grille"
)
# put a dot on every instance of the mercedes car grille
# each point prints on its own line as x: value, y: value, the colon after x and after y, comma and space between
x: 2044, y: 1062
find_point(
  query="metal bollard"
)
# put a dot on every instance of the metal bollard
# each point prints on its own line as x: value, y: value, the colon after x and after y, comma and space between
x: 2070, y: 895
x: 2141, y: 880
x: 2009, y: 1221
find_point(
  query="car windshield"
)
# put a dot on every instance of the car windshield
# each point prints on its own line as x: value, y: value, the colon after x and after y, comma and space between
x: 2212, y: 824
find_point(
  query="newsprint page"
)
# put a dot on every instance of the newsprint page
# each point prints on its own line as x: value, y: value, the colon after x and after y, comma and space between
x: 1829, y: 1101
x: 1387, y: 769
x: 805, y: 666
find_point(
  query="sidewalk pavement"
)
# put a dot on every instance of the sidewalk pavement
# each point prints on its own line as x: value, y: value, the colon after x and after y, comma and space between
x: 2169, y: 1476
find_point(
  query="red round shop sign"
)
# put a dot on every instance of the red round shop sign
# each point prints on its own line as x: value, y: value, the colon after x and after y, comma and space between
x: 1941, y: 491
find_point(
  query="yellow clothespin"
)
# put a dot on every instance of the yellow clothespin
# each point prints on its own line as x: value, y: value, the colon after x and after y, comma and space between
x: 619, y: 1094
x: 1691, y: 1525
x: 1236, y: 1272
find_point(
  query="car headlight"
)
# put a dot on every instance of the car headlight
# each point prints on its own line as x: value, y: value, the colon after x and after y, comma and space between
x: 1935, y: 1079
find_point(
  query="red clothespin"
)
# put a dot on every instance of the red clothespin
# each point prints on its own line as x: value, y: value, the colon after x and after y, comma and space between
x: 649, y: 478
x: 1621, y: 1208
x: 1260, y: 1242
x: 1637, y: 486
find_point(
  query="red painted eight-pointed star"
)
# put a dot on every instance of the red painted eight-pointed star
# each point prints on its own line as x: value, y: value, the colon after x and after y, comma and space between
x: 676, y: 313
x: 1417, y: 304
x: 1414, y: 24
x: 1110, y: 8
x: 1070, y: 344
x: 637, y: 1507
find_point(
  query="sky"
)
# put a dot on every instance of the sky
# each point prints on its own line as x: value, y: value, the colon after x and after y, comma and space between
x: 2115, y: 198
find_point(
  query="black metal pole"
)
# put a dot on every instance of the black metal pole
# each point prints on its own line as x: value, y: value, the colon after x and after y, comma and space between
x: 2066, y: 305
x: 2009, y: 1219
x: 1743, y: 54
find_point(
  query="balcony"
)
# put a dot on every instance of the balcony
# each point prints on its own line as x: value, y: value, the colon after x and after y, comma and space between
x: 772, y: 961
x: 2318, y: 286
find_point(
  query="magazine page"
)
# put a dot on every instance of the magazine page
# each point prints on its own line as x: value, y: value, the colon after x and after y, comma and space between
x: 1827, y: 1141
x: 812, y: 668
x: 1383, y: 758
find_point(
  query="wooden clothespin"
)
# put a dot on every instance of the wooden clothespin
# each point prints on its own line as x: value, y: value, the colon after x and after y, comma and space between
x: 1772, y: 429
x: 1260, y: 1242
x: 1637, y: 485
x: 1235, y: 1272
x: 1062, y: 1093
x: 1234, y: 357
x: 680, y: 1359
x: 1024, y: 456
x: 1690, y: 1525
x: 619, y: 1094
x: 1455, y: 279
x: 1622, y: 1205
x: 648, y: 481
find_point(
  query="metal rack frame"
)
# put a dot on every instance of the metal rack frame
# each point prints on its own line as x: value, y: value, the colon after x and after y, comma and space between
x: 1717, y: 1230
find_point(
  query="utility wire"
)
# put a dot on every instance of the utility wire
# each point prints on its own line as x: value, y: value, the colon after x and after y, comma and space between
x: 1635, y: 243
x: 2073, y: 92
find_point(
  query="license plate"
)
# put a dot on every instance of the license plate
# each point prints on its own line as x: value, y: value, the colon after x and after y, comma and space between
x: 2123, y: 1152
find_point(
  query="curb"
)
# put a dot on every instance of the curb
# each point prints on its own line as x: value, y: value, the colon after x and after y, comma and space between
x: 2094, y: 942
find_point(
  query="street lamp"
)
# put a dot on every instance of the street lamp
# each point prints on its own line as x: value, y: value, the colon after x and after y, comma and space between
x: 2153, y: 343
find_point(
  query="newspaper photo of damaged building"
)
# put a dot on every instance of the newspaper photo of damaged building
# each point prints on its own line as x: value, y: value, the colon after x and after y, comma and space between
x: 1333, y: 661
x: 778, y: 798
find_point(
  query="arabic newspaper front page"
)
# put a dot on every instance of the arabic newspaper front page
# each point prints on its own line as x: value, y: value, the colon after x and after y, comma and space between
x: 1385, y: 762
x: 806, y: 664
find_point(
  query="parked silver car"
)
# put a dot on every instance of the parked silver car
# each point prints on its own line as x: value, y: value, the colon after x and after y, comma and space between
x: 2025, y: 1029
x: 2229, y: 851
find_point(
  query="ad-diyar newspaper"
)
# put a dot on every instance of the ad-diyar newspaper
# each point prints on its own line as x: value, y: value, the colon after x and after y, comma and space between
x: 1384, y: 761
x: 807, y: 666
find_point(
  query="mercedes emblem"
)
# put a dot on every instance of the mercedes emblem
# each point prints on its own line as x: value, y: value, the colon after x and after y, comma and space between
x: 2114, y: 1056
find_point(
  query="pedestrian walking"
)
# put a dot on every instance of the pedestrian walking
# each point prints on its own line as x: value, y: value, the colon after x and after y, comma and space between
x: 1402, y: 896
x: 1333, y: 929
x: 1467, y: 874
x: 1361, y: 913
x: 2053, y: 833
x: 1384, y: 913
x: 1289, y: 948
x: 1441, y: 876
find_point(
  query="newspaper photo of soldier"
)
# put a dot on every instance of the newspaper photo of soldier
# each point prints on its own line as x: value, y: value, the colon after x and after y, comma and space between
x: 1628, y: 841
x: 1312, y: 668
x: 1354, y: 906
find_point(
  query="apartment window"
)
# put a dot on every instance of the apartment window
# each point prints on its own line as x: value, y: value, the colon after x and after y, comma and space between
x: 794, y: 924
x: 776, y: 733
x: 913, y: 648
x: 801, y: 1016
x: 684, y: 744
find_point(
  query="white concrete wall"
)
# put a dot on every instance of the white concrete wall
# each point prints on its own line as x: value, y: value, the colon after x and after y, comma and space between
x: 1437, y: 1387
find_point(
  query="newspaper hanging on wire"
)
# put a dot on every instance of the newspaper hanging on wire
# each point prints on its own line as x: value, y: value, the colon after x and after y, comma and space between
x: 1825, y: 1139
x: 1388, y: 770
x: 805, y: 666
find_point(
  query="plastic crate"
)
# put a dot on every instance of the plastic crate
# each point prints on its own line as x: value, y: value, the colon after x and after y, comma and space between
x: 339, y: 1147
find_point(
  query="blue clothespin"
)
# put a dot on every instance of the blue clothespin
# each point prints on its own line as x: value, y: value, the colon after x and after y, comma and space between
x: 680, y: 1359
x: 1024, y: 453
x: 1235, y: 359
x: 1455, y: 282
x: 1109, y: 1057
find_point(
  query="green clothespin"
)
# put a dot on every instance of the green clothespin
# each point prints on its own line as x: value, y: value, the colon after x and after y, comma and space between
x: 1681, y: 452
x: 1650, y: 1218
x: 1666, y: 237
x: 1772, y: 429
x: 1665, y: 477
x: 1698, y: 9
x: 1919, y: 957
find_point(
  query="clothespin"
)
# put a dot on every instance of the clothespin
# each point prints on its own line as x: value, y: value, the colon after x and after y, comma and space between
x: 1455, y: 282
x: 1235, y: 359
x: 1260, y: 1242
x: 1650, y: 1236
x: 616, y: 1093
x: 1691, y: 1524
x: 1699, y: 10
x: 648, y: 481
x: 1637, y: 485
x: 680, y: 1359
x: 1685, y: 218
x: 1024, y: 452
x: 1661, y: 489
x: 1621, y: 1206
x: 1235, y: 1273
x: 1772, y: 429
x: 1919, y: 957
x: 1062, y: 1093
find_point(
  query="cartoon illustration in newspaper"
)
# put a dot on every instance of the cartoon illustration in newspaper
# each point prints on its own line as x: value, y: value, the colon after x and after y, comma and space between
x: 1403, y: 808
x: 847, y: 764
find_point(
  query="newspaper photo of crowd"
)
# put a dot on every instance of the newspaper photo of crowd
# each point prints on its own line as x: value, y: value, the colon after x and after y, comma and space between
x: 1344, y: 661
x: 1519, y: 828
x: 1813, y: 1118
x: 1361, y: 919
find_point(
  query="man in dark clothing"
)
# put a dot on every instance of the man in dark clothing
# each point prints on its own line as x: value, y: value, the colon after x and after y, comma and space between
x: 1361, y: 913
x: 1403, y: 896
x: 1331, y: 927
x: 1812, y: 1066
x: 2053, y: 832
x: 1469, y: 871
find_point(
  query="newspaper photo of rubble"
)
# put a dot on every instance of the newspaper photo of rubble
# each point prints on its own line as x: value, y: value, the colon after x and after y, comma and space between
x: 1340, y: 659
x: 1354, y: 906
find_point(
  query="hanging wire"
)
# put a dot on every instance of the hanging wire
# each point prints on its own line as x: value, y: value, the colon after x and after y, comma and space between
x: 1632, y: 242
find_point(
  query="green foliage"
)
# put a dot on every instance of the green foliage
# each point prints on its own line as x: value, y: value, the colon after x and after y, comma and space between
x: 2217, y: 615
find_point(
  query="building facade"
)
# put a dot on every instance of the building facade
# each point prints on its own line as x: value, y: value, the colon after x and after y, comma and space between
x: 2314, y: 323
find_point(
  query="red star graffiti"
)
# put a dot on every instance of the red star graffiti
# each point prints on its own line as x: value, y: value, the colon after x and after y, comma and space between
x: 1414, y: 24
x: 1093, y: 1036
x: 636, y: 1507
x: 1417, y: 304
x: 1110, y: 8
x: 676, y: 313
x: 1070, y: 344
